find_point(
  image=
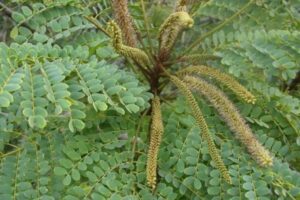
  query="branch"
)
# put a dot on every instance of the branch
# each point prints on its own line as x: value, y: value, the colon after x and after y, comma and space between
x: 217, y: 28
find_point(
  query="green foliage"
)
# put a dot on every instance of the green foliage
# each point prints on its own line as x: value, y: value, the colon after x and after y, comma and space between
x: 42, y: 83
x: 74, y: 118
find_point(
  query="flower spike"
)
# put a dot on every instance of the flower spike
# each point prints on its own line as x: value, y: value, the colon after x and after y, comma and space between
x: 136, y: 54
x: 156, y: 133
x: 213, y: 151
x: 124, y: 20
x: 233, y: 118
x: 170, y: 29
x: 223, y: 78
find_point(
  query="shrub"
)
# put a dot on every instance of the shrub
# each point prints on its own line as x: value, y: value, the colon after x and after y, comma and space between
x: 127, y: 100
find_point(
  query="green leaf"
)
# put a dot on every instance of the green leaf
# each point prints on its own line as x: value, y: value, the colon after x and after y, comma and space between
x: 66, y: 163
x: 104, y: 165
x: 256, y: 112
x: 189, y: 171
x: 4, y: 102
x: 78, y: 124
x: 26, y: 11
x: 215, y: 181
x: 88, y: 160
x: 82, y: 166
x: 78, y: 114
x: 128, y: 99
x: 67, y: 180
x: 59, y: 171
x: 92, y: 177
x: 261, y: 191
x: 248, y: 186
x: 40, y: 37
x: 98, y: 171
x: 133, y: 108
x: 235, y: 191
x: 14, y: 32
x: 73, y: 155
x: 37, y: 121
x: 18, y: 17
x: 250, y: 195
x: 197, y: 184
x: 180, y: 166
x: 75, y: 175
x: 101, y: 105
x: 103, y: 190
x: 114, y: 90
x: 214, y: 190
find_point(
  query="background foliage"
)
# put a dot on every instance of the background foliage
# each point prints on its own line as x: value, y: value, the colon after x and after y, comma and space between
x: 74, y: 121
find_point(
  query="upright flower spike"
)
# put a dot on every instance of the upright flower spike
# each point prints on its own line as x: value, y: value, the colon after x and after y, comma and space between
x: 181, y: 6
x: 233, y: 118
x: 136, y: 54
x: 223, y: 78
x: 203, y: 126
x: 125, y: 21
x: 156, y: 133
x: 170, y: 29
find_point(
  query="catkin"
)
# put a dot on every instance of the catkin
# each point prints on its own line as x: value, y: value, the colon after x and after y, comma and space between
x: 233, y: 118
x: 203, y: 126
x: 124, y: 20
x: 136, y: 54
x: 170, y: 29
x: 155, y: 140
x: 223, y: 78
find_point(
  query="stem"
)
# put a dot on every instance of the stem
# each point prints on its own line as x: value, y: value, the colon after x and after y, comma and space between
x: 95, y: 23
x: 147, y: 26
x: 7, y: 9
x: 217, y: 28
x: 137, y: 134
x: 10, y: 153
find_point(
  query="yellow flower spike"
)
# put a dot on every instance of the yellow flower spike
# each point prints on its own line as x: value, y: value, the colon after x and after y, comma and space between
x: 170, y: 29
x: 212, y: 149
x: 124, y: 20
x: 223, y: 78
x: 233, y: 118
x: 181, y: 5
x: 134, y: 53
x: 156, y: 133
